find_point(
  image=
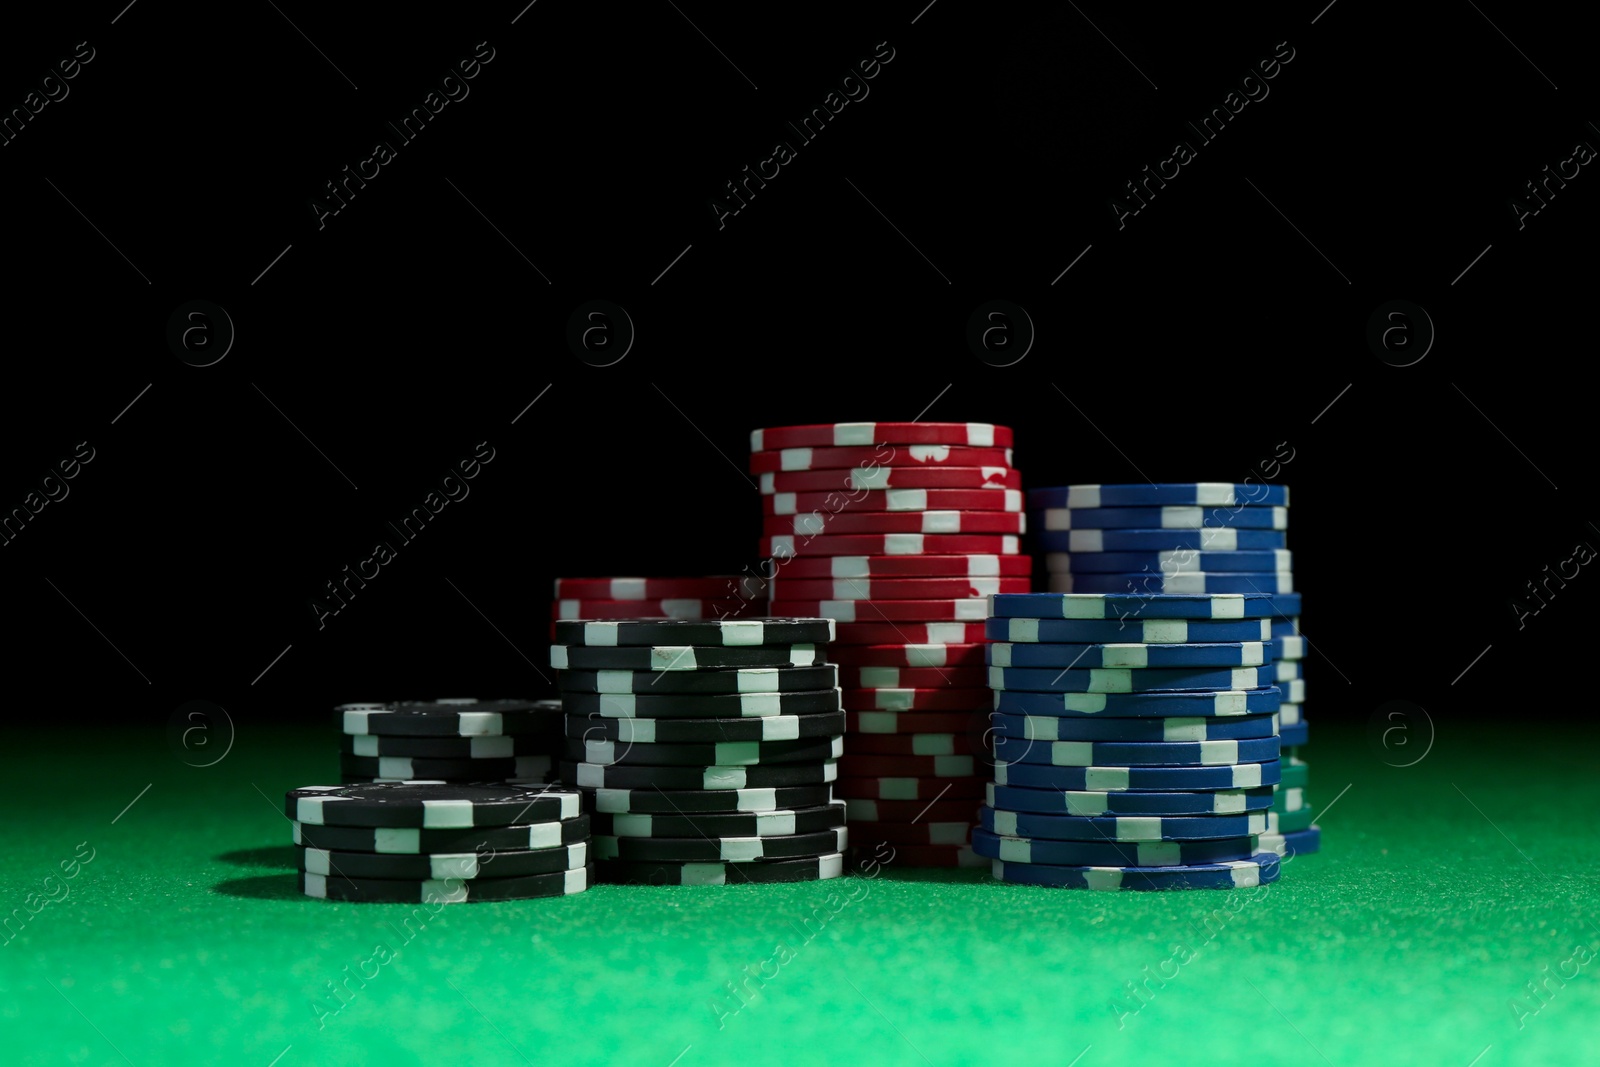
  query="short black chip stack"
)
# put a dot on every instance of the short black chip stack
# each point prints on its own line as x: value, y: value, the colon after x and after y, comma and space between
x: 449, y: 740
x: 705, y: 748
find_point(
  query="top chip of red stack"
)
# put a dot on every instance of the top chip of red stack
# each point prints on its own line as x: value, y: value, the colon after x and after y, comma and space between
x: 856, y: 434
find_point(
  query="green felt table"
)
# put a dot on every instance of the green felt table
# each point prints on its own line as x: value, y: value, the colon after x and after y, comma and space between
x: 1443, y: 890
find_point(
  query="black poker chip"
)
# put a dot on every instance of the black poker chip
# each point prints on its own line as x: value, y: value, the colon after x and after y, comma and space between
x: 467, y: 770
x: 448, y: 718
x: 742, y: 680
x: 706, y: 801
x: 445, y: 890
x: 720, y: 849
x: 723, y: 824
x: 430, y: 805
x: 484, y: 863
x: 668, y: 872
x: 680, y: 731
x: 412, y: 840
x: 709, y: 778
x: 654, y: 705
x: 683, y: 657
x: 719, y: 754
x: 726, y: 632
x: 494, y: 746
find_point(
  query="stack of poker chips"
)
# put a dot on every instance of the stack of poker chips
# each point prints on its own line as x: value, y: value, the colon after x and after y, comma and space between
x: 1135, y: 741
x: 705, y: 748
x: 439, y: 843
x: 725, y: 596
x: 899, y: 531
x: 449, y: 740
x: 1201, y: 537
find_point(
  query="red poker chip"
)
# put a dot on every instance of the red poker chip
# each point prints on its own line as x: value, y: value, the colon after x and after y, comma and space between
x: 910, y: 811
x: 970, y: 609
x: 917, y: 633
x: 816, y: 459
x: 908, y: 787
x: 931, y: 656
x: 964, y: 565
x: 878, y: 501
x: 911, y: 699
x: 963, y: 766
x: 685, y: 608
x: 860, y: 434
x: 891, y: 544
x: 895, y: 588
x: 891, y: 855
x: 892, y: 478
x: 715, y: 587
x: 812, y: 523
x: 922, y: 832
x: 856, y: 677
x: 888, y: 723
x: 945, y: 744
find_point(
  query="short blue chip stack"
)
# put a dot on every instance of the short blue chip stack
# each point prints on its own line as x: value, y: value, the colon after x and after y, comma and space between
x: 1194, y: 538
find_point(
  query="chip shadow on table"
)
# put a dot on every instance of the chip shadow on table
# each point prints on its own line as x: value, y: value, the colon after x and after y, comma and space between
x: 280, y: 856
x: 262, y: 887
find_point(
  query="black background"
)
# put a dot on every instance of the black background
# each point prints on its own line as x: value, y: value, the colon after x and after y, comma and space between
x: 1188, y: 345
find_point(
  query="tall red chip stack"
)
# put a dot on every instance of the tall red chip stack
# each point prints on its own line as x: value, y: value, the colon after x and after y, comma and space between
x: 899, y: 532
x: 716, y: 597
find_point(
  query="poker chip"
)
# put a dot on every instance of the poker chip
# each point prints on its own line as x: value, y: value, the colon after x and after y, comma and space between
x: 1204, y: 494
x: 896, y: 588
x: 1210, y: 539
x: 1082, y: 657
x: 1058, y: 605
x: 1261, y: 869
x: 888, y: 544
x: 858, y: 478
x: 447, y: 890
x: 1161, y: 518
x: 490, y: 863
x: 1288, y: 822
x: 1148, y: 729
x: 1121, y: 779
x: 715, y: 754
x: 1294, y: 843
x: 909, y: 744
x: 1296, y: 734
x: 859, y: 434
x: 1019, y: 750
x: 781, y: 823
x: 1126, y: 680
x: 867, y: 724
x: 1289, y: 799
x: 1168, y: 563
x: 927, y: 565
x: 704, y: 778
x: 1290, y: 714
x: 411, y: 840
x: 911, y: 811
x: 682, y: 657
x: 1288, y: 647
x: 1285, y: 627
x: 1296, y: 773
x: 1159, y: 703
x: 1128, y: 631
x: 927, y: 656
x: 849, y: 611
x: 660, y: 683
x: 1294, y: 692
x: 815, y: 523
x: 866, y: 766
x: 868, y: 457
x: 453, y: 718
x: 716, y: 587
x: 1188, y: 582
x: 412, y: 768
x: 856, y: 677
x: 680, y: 608
x: 700, y: 705
x: 703, y: 849
x: 724, y: 632
x: 928, y: 699
x: 709, y: 801
x: 833, y: 502
x: 1112, y: 853
x: 909, y: 788
x: 925, y: 855
x: 679, y: 731
x: 495, y: 746
x: 1120, y: 827
x: 922, y: 633
x: 1091, y: 803
x: 429, y: 805
x: 867, y: 834
x: 1288, y: 671
x: 667, y: 872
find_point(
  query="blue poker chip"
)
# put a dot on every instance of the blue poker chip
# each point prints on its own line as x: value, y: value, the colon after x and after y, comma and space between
x: 1156, y: 704
x: 1135, y: 583
x: 1125, y: 680
x: 1210, y: 539
x: 1122, y: 779
x: 1113, y: 853
x: 1294, y: 692
x: 1128, y: 631
x: 1133, y: 606
x: 1149, y: 729
x: 1129, y: 655
x: 1294, y: 843
x: 1288, y: 670
x: 1084, y: 802
x: 1295, y: 735
x: 1135, y: 753
x: 1285, y: 627
x: 1120, y: 827
x: 1287, y: 605
x: 1167, y: 561
x: 1203, y: 494
x: 1260, y: 869
x: 1288, y: 647
x: 1168, y: 518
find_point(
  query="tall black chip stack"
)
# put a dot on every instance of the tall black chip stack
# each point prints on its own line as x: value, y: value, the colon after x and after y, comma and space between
x: 706, y: 749
x: 459, y: 740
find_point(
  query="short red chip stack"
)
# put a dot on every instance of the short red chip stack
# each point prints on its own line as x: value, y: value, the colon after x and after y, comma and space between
x: 899, y: 532
x: 728, y: 596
